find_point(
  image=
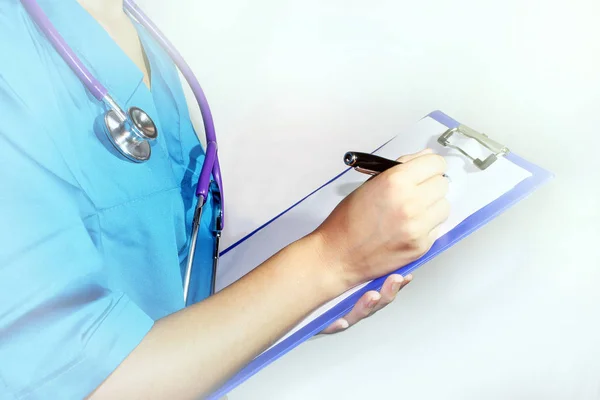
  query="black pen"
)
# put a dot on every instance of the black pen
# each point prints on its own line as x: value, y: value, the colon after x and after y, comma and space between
x: 370, y: 163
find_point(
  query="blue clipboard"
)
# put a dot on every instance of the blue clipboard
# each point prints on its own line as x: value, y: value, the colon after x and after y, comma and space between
x: 477, y: 220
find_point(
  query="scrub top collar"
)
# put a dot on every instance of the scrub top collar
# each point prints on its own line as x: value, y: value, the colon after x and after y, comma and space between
x: 96, y: 49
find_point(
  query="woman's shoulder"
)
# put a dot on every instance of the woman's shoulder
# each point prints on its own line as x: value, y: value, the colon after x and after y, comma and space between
x: 27, y: 94
x: 22, y: 62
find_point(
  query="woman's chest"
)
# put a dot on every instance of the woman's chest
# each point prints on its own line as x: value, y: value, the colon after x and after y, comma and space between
x: 105, y: 177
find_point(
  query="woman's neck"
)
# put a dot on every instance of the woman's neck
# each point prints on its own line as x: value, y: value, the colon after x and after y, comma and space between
x: 111, y: 16
x: 103, y: 10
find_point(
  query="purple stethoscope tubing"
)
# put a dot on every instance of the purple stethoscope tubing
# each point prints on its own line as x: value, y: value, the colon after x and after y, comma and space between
x: 40, y: 18
x: 211, y: 161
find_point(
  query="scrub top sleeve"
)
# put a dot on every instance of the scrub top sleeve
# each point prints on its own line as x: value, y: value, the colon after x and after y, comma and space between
x: 62, y: 332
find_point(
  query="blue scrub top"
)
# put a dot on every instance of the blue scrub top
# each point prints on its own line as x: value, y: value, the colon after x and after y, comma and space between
x: 92, y: 247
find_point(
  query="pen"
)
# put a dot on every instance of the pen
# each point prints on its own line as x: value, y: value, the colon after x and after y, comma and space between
x: 370, y: 163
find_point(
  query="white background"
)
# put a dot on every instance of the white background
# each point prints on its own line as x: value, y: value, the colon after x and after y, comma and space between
x: 513, y: 311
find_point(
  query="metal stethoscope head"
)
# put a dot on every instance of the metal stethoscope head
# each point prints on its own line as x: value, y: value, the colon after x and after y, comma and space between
x: 130, y: 133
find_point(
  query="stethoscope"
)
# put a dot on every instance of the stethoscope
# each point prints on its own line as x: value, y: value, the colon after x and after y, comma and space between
x: 131, y: 133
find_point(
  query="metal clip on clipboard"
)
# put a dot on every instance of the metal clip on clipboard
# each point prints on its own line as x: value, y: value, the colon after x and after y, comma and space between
x: 496, y: 148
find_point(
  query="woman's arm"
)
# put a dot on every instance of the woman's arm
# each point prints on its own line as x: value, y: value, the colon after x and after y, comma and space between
x: 190, y: 352
x: 386, y: 223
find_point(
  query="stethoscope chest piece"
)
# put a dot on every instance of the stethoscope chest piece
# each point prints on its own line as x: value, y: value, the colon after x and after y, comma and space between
x: 130, y: 134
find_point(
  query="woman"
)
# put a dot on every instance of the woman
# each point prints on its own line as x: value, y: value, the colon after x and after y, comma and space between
x: 91, y: 300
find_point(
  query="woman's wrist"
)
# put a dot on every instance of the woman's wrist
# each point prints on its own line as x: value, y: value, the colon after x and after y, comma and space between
x: 329, y: 269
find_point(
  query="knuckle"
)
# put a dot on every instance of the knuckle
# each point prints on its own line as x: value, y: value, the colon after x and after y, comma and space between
x: 395, y: 187
x: 412, y: 233
x: 397, y: 178
x: 388, y: 180
x: 407, y: 212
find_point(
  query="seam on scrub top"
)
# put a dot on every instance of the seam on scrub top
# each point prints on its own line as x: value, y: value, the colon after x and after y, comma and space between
x: 129, y: 202
x: 100, y: 236
x: 106, y: 315
x: 172, y: 68
x: 79, y: 360
x: 175, y: 71
x: 178, y: 109
x: 137, y: 199
x: 180, y: 118
x: 135, y: 90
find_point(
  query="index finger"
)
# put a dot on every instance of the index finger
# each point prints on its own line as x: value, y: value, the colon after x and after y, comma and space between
x: 422, y: 168
x: 407, y: 157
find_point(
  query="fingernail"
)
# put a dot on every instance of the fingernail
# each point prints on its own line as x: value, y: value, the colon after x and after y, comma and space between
x: 408, y: 277
x: 343, y: 324
x: 396, y: 285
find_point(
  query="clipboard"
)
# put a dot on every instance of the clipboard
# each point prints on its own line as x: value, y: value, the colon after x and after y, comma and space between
x: 493, y: 151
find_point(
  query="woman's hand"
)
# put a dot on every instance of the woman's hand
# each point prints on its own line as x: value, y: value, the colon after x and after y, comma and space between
x: 388, y: 222
x: 370, y: 303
